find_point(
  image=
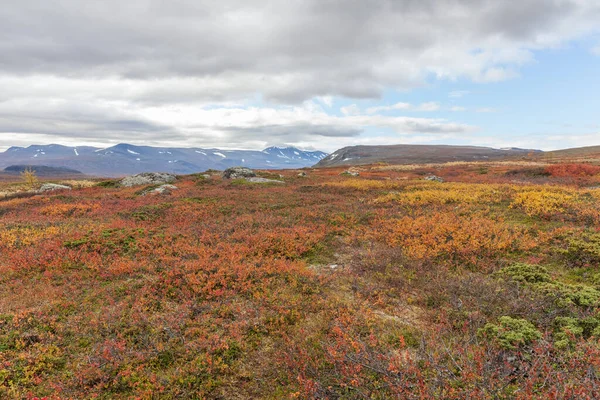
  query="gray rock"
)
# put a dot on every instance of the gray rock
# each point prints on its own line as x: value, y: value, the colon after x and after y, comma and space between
x: 148, y: 178
x: 50, y: 187
x: 238, y: 172
x: 350, y: 173
x: 302, y: 174
x: 163, y: 189
x: 434, y: 178
x: 262, y: 180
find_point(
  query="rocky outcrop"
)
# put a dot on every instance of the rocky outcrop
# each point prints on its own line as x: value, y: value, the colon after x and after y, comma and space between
x: 262, y: 180
x: 51, y: 187
x: 238, y: 172
x: 148, y: 178
x: 434, y: 178
x: 163, y: 189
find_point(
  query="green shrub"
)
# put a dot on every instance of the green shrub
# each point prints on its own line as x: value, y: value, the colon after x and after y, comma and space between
x: 582, y: 251
x: 526, y: 273
x: 108, y: 184
x: 568, y: 329
x: 269, y: 175
x: 511, y: 333
x: 538, y: 279
x: 578, y: 295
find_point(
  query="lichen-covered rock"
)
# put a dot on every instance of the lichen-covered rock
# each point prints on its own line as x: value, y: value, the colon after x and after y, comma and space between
x: 148, y: 178
x: 434, y: 178
x: 163, y: 189
x: 262, y: 180
x: 302, y: 174
x: 238, y: 172
x: 350, y: 173
x: 50, y: 187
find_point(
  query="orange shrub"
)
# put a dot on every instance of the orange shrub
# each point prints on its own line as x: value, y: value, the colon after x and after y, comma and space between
x: 454, y: 239
x: 572, y: 170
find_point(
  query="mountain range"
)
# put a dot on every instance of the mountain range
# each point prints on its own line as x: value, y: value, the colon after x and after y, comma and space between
x: 123, y: 159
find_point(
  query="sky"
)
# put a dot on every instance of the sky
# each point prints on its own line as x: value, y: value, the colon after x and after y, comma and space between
x: 316, y: 74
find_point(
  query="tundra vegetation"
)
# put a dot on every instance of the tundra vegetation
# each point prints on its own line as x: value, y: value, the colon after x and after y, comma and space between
x: 375, y: 286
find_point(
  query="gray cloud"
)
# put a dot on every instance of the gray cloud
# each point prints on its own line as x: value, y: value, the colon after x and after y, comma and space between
x: 112, y: 69
x: 289, y: 50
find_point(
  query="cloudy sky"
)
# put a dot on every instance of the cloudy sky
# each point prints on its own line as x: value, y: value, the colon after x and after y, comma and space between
x: 318, y: 74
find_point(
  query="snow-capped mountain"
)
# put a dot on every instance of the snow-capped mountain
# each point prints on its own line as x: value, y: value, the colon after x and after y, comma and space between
x: 294, y: 155
x: 125, y: 158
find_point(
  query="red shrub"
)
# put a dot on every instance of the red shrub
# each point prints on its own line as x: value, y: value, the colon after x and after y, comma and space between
x: 572, y: 170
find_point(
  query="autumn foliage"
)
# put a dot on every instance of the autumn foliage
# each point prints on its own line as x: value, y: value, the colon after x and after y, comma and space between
x: 573, y: 170
x: 377, y: 286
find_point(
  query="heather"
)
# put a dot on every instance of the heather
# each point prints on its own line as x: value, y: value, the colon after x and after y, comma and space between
x: 377, y: 286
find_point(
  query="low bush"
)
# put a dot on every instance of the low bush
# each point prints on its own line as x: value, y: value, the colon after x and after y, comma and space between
x: 511, y: 333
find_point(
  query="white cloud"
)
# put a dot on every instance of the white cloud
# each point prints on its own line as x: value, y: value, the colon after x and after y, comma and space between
x: 114, y: 70
x: 352, y: 109
x: 458, y: 108
x: 430, y: 106
x: 230, y: 127
x: 397, y: 106
x: 426, y: 107
x: 327, y: 100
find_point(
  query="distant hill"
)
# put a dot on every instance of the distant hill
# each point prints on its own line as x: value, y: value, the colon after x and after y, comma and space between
x: 42, y: 170
x: 417, y: 154
x: 589, y: 153
x: 124, y: 159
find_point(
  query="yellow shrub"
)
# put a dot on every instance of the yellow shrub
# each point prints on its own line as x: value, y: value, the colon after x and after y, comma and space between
x: 432, y: 193
x: 25, y: 236
x: 543, y: 202
x: 366, y: 184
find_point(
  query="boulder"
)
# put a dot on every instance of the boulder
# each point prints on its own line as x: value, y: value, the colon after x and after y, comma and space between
x: 50, y: 187
x: 148, y: 178
x: 350, y: 173
x: 238, y: 172
x: 163, y: 189
x: 302, y: 174
x: 434, y: 178
x: 262, y: 180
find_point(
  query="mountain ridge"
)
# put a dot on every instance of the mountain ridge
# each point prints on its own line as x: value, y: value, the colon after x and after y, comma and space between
x: 417, y: 154
x: 123, y: 158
